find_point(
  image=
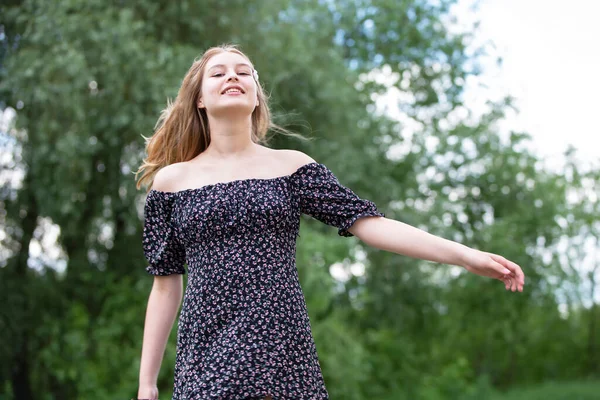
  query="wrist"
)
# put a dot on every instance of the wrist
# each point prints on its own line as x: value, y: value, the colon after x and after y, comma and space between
x: 464, y: 254
x: 149, y: 392
x: 146, y: 387
x: 148, y: 379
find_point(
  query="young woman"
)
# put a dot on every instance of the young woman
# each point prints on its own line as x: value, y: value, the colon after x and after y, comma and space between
x: 230, y: 208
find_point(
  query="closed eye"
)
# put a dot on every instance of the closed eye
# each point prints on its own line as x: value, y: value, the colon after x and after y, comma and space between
x: 219, y: 74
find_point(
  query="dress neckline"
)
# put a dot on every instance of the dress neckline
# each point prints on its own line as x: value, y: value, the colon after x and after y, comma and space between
x: 235, y: 181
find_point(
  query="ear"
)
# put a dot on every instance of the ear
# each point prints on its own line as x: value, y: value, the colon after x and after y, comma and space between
x: 200, y: 104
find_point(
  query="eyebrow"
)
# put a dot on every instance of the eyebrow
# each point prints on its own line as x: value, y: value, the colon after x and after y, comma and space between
x: 237, y: 65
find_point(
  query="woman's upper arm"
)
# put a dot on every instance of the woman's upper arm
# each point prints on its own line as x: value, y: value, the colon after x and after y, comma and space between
x: 168, y: 283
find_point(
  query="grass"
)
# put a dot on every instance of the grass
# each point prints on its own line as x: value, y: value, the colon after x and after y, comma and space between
x: 585, y: 390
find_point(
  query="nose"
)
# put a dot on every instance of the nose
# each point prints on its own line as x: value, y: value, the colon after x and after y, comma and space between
x: 232, y: 75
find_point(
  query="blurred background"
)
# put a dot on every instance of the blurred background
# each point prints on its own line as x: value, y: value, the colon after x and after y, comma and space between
x: 473, y: 120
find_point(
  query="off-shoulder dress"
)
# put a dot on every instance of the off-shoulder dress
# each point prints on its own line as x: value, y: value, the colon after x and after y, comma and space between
x: 243, y: 330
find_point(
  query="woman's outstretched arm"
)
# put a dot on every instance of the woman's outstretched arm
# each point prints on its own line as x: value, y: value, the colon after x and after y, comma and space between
x: 163, y: 304
x: 397, y: 237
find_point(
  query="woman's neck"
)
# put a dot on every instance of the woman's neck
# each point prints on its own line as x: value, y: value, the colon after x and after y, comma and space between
x: 230, y: 138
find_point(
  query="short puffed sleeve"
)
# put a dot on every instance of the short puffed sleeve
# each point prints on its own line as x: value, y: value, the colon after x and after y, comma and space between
x: 323, y: 197
x: 162, y: 249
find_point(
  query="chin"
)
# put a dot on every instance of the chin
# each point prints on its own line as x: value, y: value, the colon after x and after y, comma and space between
x: 232, y: 110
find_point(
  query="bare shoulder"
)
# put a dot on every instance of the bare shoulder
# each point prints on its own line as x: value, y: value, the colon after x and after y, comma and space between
x: 294, y: 159
x: 167, y: 177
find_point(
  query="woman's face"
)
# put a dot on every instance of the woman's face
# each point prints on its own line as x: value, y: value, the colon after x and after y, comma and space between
x: 228, y: 86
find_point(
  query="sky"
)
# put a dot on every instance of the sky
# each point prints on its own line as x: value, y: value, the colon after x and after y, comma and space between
x: 551, y: 65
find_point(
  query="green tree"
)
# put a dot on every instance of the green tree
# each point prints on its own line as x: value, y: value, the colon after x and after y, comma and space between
x: 88, y: 78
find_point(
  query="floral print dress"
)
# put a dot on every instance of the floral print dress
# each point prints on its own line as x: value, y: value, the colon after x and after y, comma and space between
x: 244, y: 331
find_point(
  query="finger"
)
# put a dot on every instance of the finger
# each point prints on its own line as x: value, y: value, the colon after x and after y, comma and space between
x: 501, y: 273
x: 499, y: 268
x: 519, y: 276
x: 516, y: 269
x: 509, y: 283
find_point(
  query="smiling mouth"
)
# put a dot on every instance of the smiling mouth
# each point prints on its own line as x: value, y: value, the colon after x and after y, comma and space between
x: 233, y: 89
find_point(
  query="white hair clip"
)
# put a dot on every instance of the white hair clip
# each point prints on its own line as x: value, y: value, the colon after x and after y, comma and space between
x: 255, y: 74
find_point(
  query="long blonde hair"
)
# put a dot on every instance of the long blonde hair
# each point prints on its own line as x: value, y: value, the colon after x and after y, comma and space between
x: 182, y: 130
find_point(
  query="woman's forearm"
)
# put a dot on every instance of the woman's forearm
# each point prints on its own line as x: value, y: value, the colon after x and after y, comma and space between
x: 163, y: 304
x: 398, y: 237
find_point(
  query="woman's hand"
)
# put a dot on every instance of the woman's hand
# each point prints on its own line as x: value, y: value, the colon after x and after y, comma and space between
x: 495, y: 266
x: 149, y: 392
